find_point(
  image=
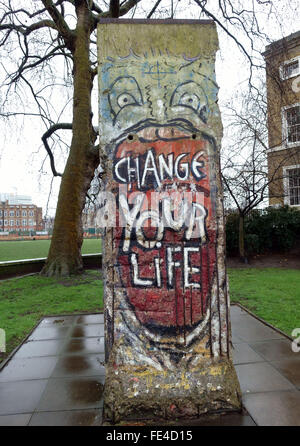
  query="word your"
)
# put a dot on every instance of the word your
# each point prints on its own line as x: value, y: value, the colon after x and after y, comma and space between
x: 144, y: 168
x: 185, y: 214
x: 168, y: 209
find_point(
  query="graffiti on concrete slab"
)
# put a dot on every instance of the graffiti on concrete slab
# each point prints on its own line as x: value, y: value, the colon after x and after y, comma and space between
x: 167, y: 330
x: 158, y: 131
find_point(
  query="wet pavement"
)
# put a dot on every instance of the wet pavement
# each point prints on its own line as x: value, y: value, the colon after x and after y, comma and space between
x: 56, y: 377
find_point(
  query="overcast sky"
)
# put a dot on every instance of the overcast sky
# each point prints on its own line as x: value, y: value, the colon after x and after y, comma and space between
x: 23, y: 167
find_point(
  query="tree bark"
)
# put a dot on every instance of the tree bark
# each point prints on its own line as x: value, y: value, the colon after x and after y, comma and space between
x: 242, y: 238
x: 64, y: 256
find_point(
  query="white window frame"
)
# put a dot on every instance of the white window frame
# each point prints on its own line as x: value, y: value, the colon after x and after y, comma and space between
x: 287, y: 62
x: 286, y: 184
x: 285, y: 141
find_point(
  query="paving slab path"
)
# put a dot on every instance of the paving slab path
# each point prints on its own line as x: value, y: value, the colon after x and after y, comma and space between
x: 56, y: 377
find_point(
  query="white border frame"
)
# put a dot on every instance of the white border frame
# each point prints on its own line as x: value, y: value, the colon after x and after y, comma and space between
x: 284, y: 127
x: 287, y: 62
x: 286, y: 184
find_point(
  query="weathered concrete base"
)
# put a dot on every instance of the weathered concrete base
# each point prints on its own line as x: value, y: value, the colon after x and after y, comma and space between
x: 133, y: 392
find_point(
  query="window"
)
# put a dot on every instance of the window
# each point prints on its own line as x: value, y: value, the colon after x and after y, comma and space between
x: 24, y: 213
x: 30, y: 223
x: 17, y: 222
x: 24, y: 222
x: 290, y: 68
x: 291, y: 124
x: 17, y: 214
x: 12, y: 223
x: 30, y: 213
x: 5, y: 223
x: 292, y: 185
x: 5, y: 213
x: 11, y: 213
x: 0, y: 213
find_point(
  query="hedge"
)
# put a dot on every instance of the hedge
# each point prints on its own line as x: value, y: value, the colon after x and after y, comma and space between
x: 266, y: 230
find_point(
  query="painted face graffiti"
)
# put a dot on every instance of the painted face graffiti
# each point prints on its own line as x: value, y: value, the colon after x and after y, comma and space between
x: 141, y: 92
x: 167, y: 321
x: 156, y: 129
x: 166, y: 251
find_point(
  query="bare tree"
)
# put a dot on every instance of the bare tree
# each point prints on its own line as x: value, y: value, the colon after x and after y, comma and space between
x: 245, y: 172
x: 32, y: 37
x: 45, y: 37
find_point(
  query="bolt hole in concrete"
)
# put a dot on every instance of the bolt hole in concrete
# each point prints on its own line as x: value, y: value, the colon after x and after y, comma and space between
x: 130, y: 137
x: 194, y: 136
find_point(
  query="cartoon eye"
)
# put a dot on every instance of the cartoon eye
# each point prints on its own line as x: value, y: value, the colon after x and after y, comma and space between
x: 124, y: 91
x: 125, y: 99
x: 192, y: 96
x: 190, y: 100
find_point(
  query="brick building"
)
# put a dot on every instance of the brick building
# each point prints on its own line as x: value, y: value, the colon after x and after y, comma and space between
x: 283, y: 93
x: 19, y: 214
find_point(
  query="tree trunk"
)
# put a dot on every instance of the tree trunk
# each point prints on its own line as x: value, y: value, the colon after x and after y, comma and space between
x: 64, y: 256
x: 242, y: 238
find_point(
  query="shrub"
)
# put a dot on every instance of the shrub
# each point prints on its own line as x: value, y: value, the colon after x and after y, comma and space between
x: 266, y: 230
x: 232, y: 233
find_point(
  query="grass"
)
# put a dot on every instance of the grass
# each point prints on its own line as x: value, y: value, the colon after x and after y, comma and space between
x: 271, y: 293
x: 32, y: 249
x: 24, y: 301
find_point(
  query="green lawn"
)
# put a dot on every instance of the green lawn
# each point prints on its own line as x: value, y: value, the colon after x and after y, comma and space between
x: 271, y: 293
x: 32, y: 249
x: 24, y: 301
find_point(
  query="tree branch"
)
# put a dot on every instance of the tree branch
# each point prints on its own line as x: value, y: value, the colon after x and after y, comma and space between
x: 153, y: 9
x: 231, y: 192
x: 26, y: 30
x: 96, y: 8
x: 214, y: 18
x: 126, y: 7
x: 114, y: 8
x: 61, y: 24
x: 48, y: 134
